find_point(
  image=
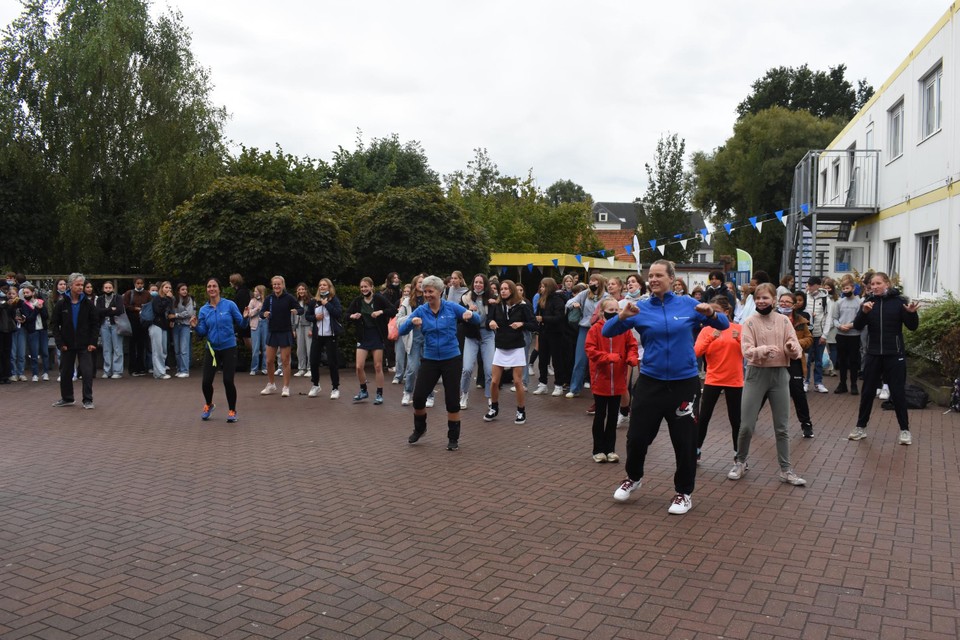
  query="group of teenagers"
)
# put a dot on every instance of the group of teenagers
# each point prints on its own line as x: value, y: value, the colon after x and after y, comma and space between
x: 640, y: 347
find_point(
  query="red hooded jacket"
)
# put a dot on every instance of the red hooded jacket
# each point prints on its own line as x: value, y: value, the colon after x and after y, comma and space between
x: 609, y: 359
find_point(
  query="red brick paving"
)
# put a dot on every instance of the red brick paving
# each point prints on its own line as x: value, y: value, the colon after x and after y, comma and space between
x: 314, y: 518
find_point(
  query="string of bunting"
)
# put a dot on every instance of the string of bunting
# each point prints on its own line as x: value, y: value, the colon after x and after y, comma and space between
x: 704, y: 234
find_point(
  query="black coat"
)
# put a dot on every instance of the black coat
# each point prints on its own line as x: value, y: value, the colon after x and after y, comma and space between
x: 334, y: 311
x: 554, y: 314
x: 885, y: 323
x: 380, y: 303
x: 506, y: 337
x: 61, y: 324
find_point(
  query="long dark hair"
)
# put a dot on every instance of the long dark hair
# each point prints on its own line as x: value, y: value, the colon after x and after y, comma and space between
x: 549, y: 286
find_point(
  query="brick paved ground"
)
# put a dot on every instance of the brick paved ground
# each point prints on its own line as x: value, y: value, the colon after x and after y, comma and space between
x: 314, y: 518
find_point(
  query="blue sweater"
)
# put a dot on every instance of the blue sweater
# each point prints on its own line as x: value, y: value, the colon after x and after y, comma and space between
x: 217, y: 324
x: 666, y: 331
x: 439, y: 329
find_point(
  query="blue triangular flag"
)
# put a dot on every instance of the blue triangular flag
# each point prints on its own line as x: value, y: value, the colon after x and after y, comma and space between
x: 503, y: 271
x: 805, y: 208
x: 603, y: 253
x: 779, y: 215
x: 653, y: 244
x: 728, y: 226
x: 704, y: 232
x: 555, y: 262
x: 753, y: 221
x: 628, y: 247
x: 579, y: 257
x: 678, y: 235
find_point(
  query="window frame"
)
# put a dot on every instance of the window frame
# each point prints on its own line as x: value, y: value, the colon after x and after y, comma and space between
x: 893, y: 249
x: 928, y: 260
x: 932, y: 80
x: 895, y: 133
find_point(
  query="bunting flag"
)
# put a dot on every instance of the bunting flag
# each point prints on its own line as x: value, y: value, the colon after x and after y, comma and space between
x: 705, y: 234
x: 653, y: 244
x: 579, y: 258
x: 636, y: 251
x: 662, y: 252
x: 556, y: 262
x: 805, y: 208
x: 628, y: 248
x: 603, y: 253
x: 779, y: 215
x: 728, y: 226
x: 683, y: 244
x: 753, y: 221
x: 530, y: 267
x: 503, y: 271
x: 610, y: 259
x: 586, y: 265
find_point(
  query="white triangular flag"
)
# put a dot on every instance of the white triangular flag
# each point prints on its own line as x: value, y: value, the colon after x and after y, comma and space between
x: 610, y: 259
x: 759, y: 226
x: 662, y: 249
x: 706, y: 239
x: 683, y: 243
x: 586, y: 265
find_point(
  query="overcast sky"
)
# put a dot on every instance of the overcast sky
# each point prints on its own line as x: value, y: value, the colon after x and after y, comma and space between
x: 569, y: 90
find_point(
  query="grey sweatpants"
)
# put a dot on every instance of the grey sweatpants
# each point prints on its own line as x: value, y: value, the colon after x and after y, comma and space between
x: 774, y: 383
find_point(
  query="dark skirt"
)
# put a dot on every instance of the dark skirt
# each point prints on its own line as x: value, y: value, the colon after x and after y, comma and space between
x: 371, y: 340
x: 281, y: 339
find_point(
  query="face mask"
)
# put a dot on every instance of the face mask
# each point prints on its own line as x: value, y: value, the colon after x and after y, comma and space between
x: 154, y: 294
x: 257, y: 296
x: 848, y: 294
x: 785, y: 310
x: 764, y: 312
x: 593, y: 286
x: 324, y: 294
x: 10, y: 283
x: 27, y: 296
x: 138, y: 289
x: 609, y: 315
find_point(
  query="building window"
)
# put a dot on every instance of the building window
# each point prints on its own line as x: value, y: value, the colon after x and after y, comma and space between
x: 930, y: 103
x: 836, y: 179
x: 895, y: 121
x: 893, y: 258
x: 928, y: 250
x: 602, y: 216
x: 869, y: 142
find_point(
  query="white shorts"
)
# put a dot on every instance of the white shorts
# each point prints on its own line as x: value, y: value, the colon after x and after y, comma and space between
x: 509, y: 358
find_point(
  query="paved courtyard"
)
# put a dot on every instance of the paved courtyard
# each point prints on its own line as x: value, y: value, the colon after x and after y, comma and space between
x: 313, y: 518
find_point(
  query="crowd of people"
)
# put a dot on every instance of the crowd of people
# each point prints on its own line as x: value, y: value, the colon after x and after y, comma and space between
x: 648, y: 351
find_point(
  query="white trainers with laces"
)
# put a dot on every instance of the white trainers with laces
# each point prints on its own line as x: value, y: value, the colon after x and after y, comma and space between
x: 885, y: 393
x: 857, y: 434
x: 806, y: 386
x: 464, y: 400
x: 905, y: 437
x: 335, y: 394
x: 557, y: 391
x: 314, y: 390
x: 628, y: 486
x: 821, y: 388
x: 285, y: 393
x: 405, y: 400
x: 681, y: 504
x: 790, y: 477
x: 541, y: 389
x: 599, y: 457
x: 270, y: 388
x: 622, y: 420
x: 430, y: 401
x: 737, y: 471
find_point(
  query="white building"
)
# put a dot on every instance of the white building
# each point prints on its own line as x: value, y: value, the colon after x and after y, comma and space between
x: 884, y: 195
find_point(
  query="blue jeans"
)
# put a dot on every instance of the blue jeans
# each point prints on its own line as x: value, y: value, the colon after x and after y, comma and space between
x: 258, y: 347
x: 33, y: 351
x: 44, y: 344
x: 471, y: 347
x: 413, y: 363
x: 181, y: 346
x: 579, y: 361
x: 815, y: 361
x: 18, y: 352
x: 112, y: 349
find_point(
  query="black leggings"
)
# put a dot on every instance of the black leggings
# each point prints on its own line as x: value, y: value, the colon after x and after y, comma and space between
x: 319, y: 342
x: 430, y: 372
x: 848, y: 357
x: 711, y: 394
x: 227, y: 359
x: 551, y: 352
x: 605, y: 424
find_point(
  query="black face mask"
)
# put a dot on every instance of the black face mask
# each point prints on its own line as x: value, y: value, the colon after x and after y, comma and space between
x: 765, y: 312
x: 593, y: 286
x: 848, y: 294
x: 609, y: 315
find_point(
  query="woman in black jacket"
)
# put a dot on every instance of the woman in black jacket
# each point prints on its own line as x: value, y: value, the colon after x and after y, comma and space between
x: 370, y: 312
x: 551, y: 316
x: 885, y: 312
x: 324, y: 313
x: 277, y: 310
x: 510, y: 319
x: 160, y: 327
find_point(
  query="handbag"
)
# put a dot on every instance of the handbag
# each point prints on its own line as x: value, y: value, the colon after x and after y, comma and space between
x: 574, y: 316
x: 122, y: 322
x: 393, y: 332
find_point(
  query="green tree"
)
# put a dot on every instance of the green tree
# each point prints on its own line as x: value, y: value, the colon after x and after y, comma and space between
x: 664, y: 212
x: 418, y: 229
x: 116, y: 111
x: 566, y: 191
x: 384, y: 163
x: 752, y: 174
x: 257, y: 228
x: 823, y: 93
x: 298, y: 175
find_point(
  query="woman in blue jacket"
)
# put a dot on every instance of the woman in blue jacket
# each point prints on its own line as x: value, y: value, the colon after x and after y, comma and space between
x: 217, y: 322
x: 668, y: 387
x: 438, y: 319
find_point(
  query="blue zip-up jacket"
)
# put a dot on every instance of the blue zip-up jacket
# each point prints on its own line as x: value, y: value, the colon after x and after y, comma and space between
x: 666, y: 330
x: 439, y: 329
x: 216, y: 324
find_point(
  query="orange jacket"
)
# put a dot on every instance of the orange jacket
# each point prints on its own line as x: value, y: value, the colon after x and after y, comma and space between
x: 722, y: 350
x: 609, y: 359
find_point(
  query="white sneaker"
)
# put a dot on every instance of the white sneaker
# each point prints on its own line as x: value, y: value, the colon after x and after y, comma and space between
x: 628, y: 486
x: 183, y: 374
x: 278, y: 372
x: 45, y: 377
x: 806, y: 386
x: 335, y: 394
x: 254, y: 372
x: 885, y: 393
x: 314, y: 390
x: 821, y: 388
x: 104, y: 376
x: 117, y: 376
x: 35, y: 379
x: 569, y: 394
x: 165, y: 376
x: 430, y: 401
x: 298, y: 374
x: 395, y: 381
x: 586, y: 384
x: 270, y: 388
x: 285, y: 393
x: 857, y: 434
x: 905, y: 438
x: 463, y: 400
x: 790, y: 477
x: 612, y: 457
x: 599, y: 457
x: 406, y: 399
x: 739, y: 468
x: 622, y: 420
x: 541, y: 389
x: 530, y: 370
x: 681, y: 504
x: 557, y: 391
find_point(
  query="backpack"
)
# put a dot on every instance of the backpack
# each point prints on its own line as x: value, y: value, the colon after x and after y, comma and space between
x: 917, y: 398
x: 146, y: 313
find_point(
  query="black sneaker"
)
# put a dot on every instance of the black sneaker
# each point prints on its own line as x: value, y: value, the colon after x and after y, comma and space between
x: 64, y: 403
x: 452, y: 445
x: 521, y: 417
x: 491, y: 413
x: 841, y: 389
x: 416, y: 435
x: 807, y: 430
